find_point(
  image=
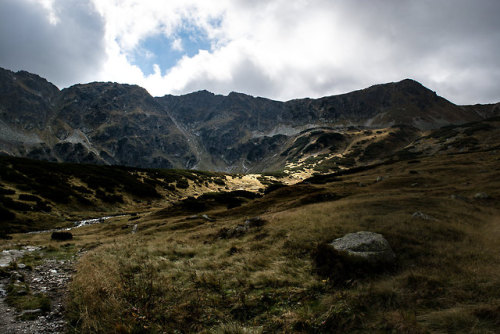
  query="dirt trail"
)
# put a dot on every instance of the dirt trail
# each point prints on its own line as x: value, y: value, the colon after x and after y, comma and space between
x: 51, y: 278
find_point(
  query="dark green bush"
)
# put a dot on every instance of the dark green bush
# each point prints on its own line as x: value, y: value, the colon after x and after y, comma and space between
x: 108, y: 198
x: 6, y: 215
x: 182, y: 184
x: 29, y: 198
x: 14, y: 205
x: 6, y: 191
x: 61, y: 236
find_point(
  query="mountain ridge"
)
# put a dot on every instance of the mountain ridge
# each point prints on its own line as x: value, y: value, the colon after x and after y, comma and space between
x: 111, y: 123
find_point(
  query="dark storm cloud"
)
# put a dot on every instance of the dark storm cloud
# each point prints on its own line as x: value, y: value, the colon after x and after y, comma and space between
x: 70, y: 51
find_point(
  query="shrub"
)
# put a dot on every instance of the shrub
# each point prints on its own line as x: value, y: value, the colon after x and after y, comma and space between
x: 219, y: 182
x: 61, y: 236
x: 29, y: 198
x: 6, y: 215
x: 182, y: 184
x: 14, y: 205
x: 108, y: 198
x: 6, y: 191
x: 273, y: 187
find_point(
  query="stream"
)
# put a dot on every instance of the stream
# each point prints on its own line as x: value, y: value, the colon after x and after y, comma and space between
x: 77, y: 224
x: 49, y: 278
x: 11, y: 255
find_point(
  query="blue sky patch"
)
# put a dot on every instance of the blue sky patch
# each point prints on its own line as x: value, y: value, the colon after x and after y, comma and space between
x: 159, y: 49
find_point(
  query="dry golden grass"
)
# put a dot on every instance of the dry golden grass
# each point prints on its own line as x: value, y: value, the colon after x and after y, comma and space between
x: 180, y: 274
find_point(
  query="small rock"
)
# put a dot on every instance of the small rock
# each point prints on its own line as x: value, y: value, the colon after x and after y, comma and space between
x: 481, y: 196
x: 31, y: 248
x: 368, y: 246
x: 458, y: 197
x: 207, y: 218
x: 422, y: 215
x: 255, y: 222
x: 134, y: 229
x: 240, y: 229
x: 379, y: 178
x: 20, y: 289
x: 21, y: 265
x: 16, y: 277
x: 53, y: 271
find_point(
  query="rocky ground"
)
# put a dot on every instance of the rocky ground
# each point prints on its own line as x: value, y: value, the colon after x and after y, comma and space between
x: 50, y: 278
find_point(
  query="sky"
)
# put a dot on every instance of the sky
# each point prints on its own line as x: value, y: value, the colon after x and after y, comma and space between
x: 279, y: 49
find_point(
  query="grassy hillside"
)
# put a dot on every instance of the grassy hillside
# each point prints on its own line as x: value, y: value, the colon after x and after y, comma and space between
x: 192, y: 274
x: 37, y: 195
x: 238, y: 262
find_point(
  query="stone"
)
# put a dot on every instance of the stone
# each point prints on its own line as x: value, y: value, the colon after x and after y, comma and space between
x: 16, y: 277
x: 422, y: 215
x: 255, y: 222
x: 207, y: 218
x: 458, y: 197
x: 30, y: 314
x: 366, y: 246
x: 481, y: 195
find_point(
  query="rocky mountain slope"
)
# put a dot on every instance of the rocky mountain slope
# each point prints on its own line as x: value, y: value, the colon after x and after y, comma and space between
x: 110, y: 123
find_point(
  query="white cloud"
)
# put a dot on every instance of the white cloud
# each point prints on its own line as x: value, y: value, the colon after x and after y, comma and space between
x: 177, y: 44
x: 285, y: 49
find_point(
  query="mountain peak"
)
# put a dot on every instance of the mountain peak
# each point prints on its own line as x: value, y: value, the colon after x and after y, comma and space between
x: 123, y: 124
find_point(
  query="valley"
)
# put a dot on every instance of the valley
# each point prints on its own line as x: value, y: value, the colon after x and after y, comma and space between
x: 99, y: 233
x: 222, y: 253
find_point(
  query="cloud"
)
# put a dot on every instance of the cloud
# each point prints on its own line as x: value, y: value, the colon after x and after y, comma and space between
x: 177, y: 44
x: 283, y: 50
x: 274, y: 48
x: 62, y: 40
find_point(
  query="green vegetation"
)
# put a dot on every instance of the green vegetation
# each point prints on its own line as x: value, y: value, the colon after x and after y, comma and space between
x: 22, y: 299
x: 40, y: 188
x: 326, y: 140
x: 297, y: 146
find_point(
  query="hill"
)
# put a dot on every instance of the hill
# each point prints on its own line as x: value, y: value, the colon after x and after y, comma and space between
x: 256, y: 262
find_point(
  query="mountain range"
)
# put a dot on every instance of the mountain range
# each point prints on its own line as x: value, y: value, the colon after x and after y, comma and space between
x: 120, y: 124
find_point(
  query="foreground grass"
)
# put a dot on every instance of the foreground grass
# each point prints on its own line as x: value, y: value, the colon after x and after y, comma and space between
x: 180, y: 274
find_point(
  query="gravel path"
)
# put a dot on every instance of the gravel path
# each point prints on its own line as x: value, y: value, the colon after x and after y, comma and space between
x: 51, y: 277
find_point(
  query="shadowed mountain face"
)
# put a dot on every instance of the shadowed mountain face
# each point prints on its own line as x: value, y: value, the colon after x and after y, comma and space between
x: 109, y: 123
